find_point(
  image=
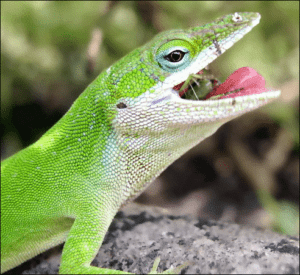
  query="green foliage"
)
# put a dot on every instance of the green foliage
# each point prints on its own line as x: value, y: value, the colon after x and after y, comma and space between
x: 45, y: 39
x: 284, y: 214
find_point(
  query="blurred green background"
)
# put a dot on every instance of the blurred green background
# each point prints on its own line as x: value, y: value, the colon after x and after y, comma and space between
x: 51, y: 50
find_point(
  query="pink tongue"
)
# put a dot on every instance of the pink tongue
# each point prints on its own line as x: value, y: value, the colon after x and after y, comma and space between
x: 246, y: 79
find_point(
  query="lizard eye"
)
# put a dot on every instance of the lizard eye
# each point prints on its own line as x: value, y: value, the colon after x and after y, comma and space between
x: 175, y: 56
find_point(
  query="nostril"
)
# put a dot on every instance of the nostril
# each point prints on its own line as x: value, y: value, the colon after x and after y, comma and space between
x: 121, y: 105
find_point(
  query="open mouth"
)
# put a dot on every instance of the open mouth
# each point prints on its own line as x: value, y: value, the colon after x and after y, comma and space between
x: 204, y: 86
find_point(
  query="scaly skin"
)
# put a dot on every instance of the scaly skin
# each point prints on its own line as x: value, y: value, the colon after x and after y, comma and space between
x: 120, y: 134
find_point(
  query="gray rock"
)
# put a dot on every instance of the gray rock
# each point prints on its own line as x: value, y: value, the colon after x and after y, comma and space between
x: 137, y: 237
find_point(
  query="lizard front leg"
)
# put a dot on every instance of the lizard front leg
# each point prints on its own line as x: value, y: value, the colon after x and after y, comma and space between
x: 84, y: 240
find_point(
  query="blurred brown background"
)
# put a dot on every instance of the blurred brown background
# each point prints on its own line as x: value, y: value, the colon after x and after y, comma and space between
x: 248, y: 172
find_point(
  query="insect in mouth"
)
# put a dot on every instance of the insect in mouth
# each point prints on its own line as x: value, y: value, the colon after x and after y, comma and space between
x: 197, y: 86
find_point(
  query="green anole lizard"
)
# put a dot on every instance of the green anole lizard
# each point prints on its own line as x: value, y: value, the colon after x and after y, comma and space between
x: 125, y: 129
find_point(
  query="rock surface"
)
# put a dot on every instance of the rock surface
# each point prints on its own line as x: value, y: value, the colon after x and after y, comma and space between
x: 139, y: 234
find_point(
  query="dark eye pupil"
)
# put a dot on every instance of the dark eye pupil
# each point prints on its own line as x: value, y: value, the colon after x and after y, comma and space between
x: 175, y: 56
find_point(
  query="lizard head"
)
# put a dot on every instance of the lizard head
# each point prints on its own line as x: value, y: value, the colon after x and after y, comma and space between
x: 150, y: 87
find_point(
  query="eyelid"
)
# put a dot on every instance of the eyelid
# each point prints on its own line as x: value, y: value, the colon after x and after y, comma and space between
x: 179, y: 49
x: 167, y: 51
